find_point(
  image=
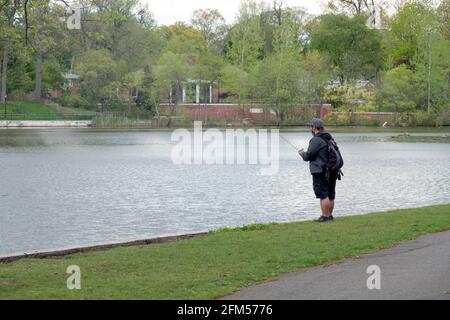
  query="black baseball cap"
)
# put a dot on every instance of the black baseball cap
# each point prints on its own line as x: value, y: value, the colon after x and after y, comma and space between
x: 316, y: 123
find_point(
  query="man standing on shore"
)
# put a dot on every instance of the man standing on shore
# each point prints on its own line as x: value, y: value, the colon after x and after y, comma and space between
x: 324, y: 180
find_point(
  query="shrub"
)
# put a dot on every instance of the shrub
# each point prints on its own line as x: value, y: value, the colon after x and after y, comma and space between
x: 72, y: 101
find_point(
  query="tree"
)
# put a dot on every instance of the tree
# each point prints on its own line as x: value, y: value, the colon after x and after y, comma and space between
x: 212, y: 25
x: 444, y: 18
x: 99, y: 76
x: 246, y: 42
x: 282, y: 79
x: 208, y: 67
x: 432, y: 67
x: 275, y: 16
x: 285, y: 57
x: 149, y: 91
x: 171, y: 72
x: 316, y: 74
x: 398, y: 91
x: 8, y: 10
x: 277, y: 83
x: 405, y: 28
x: 417, y: 38
x: 44, y: 33
x: 353, y: 49
x: 353, y: 7
x: 234, y: 81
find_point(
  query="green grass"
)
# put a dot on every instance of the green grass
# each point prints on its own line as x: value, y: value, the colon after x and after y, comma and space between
x: 219, y: 263
x: 106, y: 121
x: 20, y: 110
x: 29, y: 110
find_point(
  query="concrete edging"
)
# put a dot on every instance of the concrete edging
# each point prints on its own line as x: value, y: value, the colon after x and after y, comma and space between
x: 45, y: 124
x: 65, y: 252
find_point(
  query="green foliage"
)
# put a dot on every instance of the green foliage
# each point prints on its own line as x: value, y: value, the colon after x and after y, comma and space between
x: 353, y: 49
x: 112, y: 121
x: 183, y: 39
x: 52, y: 74
x: 399, y: 90
x: 233, y: 80
x: 285, y: 78
x: 432, y: 70
x: 72, y: 101
x: 148, y: 94
x: 272, y: 54
x: 208, y: 66
x: 31, y: 110
x: 212, y: 25
x: 171, y: 71
x: 246, y: 42
x: 100, y: 75
x: 444, y: 18
x: 405, y: 30
x: 417, y: 38
x: 349, y: 97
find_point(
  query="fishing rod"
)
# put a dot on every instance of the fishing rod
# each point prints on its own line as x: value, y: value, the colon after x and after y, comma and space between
x: 290, y: 143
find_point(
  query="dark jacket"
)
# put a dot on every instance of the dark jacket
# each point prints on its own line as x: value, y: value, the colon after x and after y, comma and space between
x: 317, y: 153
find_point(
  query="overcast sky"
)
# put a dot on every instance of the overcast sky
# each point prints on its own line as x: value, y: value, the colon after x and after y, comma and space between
x: 167, y: 12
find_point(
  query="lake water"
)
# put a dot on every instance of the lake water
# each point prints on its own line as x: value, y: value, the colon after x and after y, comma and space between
x: 64, y: 188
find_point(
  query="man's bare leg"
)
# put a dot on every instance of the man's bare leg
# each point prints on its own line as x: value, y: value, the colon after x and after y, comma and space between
x: 325, y: 206
x: 331, y: 207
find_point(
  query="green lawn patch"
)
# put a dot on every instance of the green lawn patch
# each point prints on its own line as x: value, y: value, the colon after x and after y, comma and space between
x: 29, y: 110
x: 219, y: 263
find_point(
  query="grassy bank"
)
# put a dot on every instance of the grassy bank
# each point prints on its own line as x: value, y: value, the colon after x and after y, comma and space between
x: 219, y: 263
x: 29, y: 110
x: 21, y: 110
x: 113, y: 122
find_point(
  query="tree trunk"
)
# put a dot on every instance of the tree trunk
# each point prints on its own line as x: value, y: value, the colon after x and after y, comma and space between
x: 1, y: 74
x: 429, y: 74
x: 4, y: 67
x: 4, y: 73
x: 38, y: 78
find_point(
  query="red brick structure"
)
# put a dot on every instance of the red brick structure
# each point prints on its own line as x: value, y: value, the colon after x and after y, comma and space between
x: 232, y: 112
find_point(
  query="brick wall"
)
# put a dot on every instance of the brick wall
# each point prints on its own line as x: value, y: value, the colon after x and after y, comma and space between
x: 233, y: 112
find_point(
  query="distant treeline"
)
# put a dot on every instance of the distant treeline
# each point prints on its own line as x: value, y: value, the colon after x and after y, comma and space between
x: 356, y: 56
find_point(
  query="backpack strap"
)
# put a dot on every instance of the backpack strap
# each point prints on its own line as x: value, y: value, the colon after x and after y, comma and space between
x: 325, y: 140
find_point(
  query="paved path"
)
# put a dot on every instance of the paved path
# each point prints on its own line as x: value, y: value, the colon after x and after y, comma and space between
x: 418, y: 269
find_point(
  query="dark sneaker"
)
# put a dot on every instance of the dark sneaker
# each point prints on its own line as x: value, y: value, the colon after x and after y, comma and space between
x: 331, y: 218
x: 324, y: 219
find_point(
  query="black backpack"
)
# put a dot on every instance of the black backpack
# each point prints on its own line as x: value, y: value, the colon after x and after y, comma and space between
x: 335, y: 161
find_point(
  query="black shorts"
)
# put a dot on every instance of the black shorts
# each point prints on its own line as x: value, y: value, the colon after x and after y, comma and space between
x: 324, y: 188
